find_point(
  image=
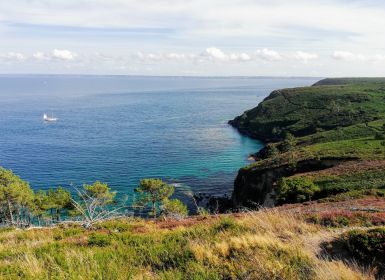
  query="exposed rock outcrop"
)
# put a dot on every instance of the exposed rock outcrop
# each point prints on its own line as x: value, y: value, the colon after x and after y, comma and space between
x: 254, y: 187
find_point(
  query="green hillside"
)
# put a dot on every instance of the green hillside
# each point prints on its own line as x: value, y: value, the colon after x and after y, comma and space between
x: 314, y: 128
x: 322, y: 107
x: 323, y: 167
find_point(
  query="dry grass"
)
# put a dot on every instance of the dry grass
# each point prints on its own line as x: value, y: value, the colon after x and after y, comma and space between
x: 269, y: 244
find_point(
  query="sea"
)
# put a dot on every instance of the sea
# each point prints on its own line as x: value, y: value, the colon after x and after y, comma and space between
x: 120, y: 129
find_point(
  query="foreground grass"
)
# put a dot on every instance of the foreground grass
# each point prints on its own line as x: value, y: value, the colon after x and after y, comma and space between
x: 258, y: 245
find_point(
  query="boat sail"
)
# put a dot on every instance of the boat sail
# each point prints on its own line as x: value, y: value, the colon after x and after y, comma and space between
x: 46, y: 118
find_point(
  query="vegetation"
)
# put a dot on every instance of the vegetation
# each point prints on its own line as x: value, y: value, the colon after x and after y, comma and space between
x: 309, y: 110
x: 20, y: 206
x: 260, y: 245
x: 297, y: 189
x: 93, y: 202
x: 367, y: 245
x: 174, y: 208
x: 326, y: 147
x: 153, y: 192
x: 341, y: 120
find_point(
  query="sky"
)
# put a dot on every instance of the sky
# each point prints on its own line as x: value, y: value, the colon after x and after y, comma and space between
x: 320, y: 38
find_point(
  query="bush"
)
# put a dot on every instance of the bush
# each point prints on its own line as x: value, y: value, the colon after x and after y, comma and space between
x: 174, y: 208
x: 367, y: 245
x: 289, y: 143
x: 99, y: 239
x: 116, y: 225
x: 296, y: 189
x: 271, y: 150
x: 227, y: 224
x: 379, y: 136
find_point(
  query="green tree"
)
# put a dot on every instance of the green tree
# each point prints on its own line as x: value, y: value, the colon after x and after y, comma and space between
x: 16, y: 197
x: 40, y: 205
x: 59, y: 199
x: 289, y: 143
x: 296, y: 189
x: 272, y: 152
x: 153, y: 192
x: 100, y: 191
x: 174, y: 208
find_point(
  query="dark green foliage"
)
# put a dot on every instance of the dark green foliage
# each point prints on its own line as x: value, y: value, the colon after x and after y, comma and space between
x: 337, y: 119
x: 174, y: 208
x: 289, y: 143
x: 227, y: 224
x: 367, y: 245
x: 115, y: 225
x: 307, y: 110
x: 99, y: 239
x: 16, y: 199
x: 296, y: 189
x: 354, y: 194
x: 271, y: 150
x: 332, y: 185
x: 58, y: 200
x: 153, y: 192
x: 100, y: 191
x: 379, y: 136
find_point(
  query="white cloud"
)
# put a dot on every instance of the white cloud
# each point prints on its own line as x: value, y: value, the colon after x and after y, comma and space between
x: 305, y: 56
x: 63, y: 54
x: 378, y: 58
x: 161, y: 57
x: 12, y: 56
x: 240, y: 57
x: 357, y: 57
x: 269, y: 55
x: 119, y: 27
x: 347, y: 56
x: 56, y: 54
x: 176, y: 56
x: 216, y: 54
x: 40, y: 56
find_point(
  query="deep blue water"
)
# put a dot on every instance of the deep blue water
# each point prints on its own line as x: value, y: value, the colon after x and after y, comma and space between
x: 120, y: 129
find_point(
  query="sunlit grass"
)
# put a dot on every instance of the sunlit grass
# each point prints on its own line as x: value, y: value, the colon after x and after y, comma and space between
x: 268, y: 244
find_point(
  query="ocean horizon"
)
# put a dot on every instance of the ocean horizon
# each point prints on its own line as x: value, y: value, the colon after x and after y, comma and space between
x: 120, y: 129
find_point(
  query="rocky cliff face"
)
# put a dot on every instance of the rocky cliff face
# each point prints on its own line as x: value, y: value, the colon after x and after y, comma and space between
x: 256, y: 187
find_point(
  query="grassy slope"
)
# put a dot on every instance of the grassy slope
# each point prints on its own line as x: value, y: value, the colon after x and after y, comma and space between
x: 288, y: 242
x: 269, y: 244
x: 308, y: 110
x: 335, y: 118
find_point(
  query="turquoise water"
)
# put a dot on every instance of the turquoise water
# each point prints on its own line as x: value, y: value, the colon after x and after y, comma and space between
x: 120, y: 129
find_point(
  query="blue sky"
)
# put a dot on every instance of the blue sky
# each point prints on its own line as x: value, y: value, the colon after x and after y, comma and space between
x: 193, y: 37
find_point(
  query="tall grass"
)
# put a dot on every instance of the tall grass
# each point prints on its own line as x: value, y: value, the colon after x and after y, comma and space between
x: 268, y: 244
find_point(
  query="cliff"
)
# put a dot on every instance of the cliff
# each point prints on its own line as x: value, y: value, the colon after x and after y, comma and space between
x: 309, y: 129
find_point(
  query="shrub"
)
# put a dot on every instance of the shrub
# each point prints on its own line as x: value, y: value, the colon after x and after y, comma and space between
x: 118, y: 225
x: 367, y: 245
x: 354, y: 194
x: 289, y: 143
x: 343, y: 218
x: 272, y: 150
x: 296, y: 189
x: 227, y: 224
x: 151, y: 192
x: 379, y: 136
x: 99, y: 239
x: 174, y: 208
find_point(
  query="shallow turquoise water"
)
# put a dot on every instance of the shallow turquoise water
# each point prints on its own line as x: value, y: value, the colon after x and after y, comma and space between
x: 120, y: 129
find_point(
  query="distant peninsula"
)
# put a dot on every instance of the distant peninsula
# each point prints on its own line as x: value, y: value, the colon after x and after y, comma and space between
x: 331, y: 134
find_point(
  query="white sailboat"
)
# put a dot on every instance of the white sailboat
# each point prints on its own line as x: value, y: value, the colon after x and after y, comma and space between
x: 46, y: 118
